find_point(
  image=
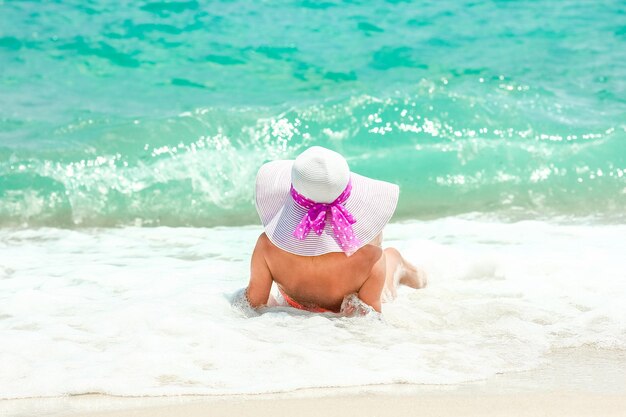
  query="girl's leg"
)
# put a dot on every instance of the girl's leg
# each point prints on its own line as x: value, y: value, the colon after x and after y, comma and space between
x: 400, y: 271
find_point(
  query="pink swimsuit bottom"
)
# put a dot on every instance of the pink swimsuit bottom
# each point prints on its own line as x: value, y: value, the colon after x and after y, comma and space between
x: 299, y: 306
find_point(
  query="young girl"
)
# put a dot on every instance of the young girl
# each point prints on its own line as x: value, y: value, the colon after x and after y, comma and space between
x: 323, y: 235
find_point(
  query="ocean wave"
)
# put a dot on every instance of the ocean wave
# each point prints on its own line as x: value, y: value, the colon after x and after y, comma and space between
x: 449, y: 152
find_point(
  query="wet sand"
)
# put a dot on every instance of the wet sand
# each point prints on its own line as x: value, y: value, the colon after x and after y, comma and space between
x: 573, y: 382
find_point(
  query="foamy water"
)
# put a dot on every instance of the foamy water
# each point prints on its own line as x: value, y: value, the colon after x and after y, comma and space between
x: 147, y: 311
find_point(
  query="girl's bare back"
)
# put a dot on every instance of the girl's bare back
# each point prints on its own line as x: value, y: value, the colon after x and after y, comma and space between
x: 323, y: 281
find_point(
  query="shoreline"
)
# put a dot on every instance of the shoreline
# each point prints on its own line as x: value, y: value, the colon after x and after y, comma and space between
x: 573, y: 382
x: 443, y: 404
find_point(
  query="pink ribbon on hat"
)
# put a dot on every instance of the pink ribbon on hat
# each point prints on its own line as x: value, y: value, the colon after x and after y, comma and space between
x: 341, y: 220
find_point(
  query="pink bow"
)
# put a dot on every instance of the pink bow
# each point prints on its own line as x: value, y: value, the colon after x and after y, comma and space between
x: 341, y: 220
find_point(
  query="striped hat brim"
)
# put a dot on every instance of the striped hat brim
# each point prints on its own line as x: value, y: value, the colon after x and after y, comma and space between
x: 371, y: 202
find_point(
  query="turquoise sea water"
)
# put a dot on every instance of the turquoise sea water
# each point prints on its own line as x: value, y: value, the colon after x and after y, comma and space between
x: 160, y: 113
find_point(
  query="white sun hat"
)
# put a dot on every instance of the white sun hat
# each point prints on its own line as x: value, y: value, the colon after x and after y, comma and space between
x: 343, y: 210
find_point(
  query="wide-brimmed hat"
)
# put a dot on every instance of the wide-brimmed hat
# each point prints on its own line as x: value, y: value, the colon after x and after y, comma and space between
x: 314, y: 205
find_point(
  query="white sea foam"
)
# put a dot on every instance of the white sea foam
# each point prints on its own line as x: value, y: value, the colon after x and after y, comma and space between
x: 148, y: 311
